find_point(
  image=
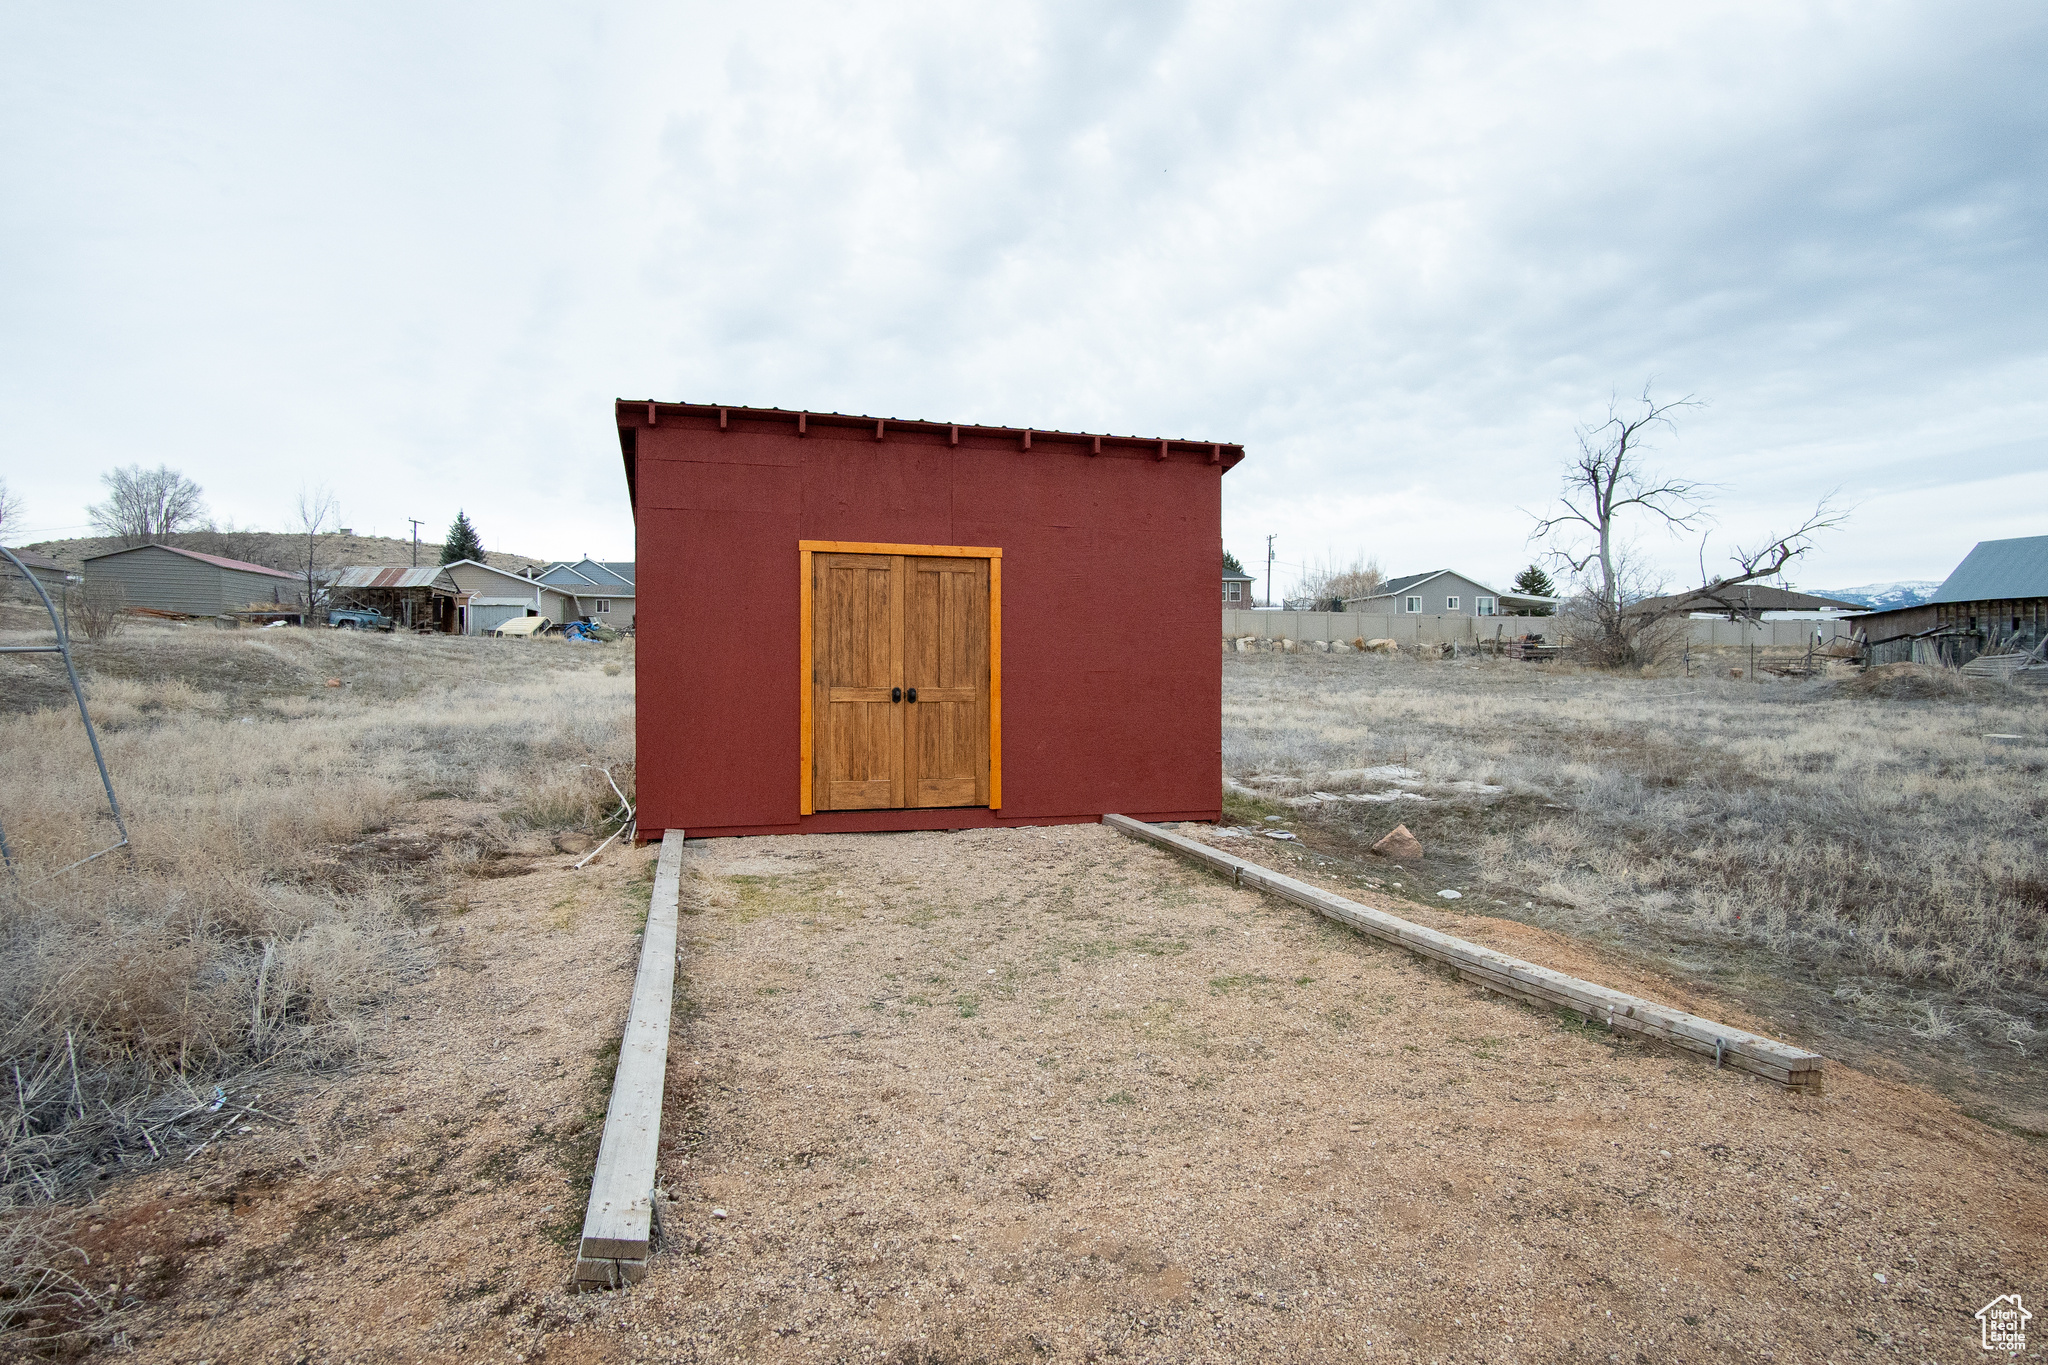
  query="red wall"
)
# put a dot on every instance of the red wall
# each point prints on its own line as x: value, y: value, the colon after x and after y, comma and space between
x: 1111, y: 684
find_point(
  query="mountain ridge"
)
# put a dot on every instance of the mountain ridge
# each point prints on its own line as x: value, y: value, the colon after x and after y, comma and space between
x: 1910, y: 592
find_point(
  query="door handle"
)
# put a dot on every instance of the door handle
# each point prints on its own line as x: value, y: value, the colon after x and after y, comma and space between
x: 912, y: 696
x: 895, y: 694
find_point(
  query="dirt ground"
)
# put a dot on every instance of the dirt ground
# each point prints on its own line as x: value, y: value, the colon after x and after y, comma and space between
x: 1049, y: 1094
x: 423, y: 1204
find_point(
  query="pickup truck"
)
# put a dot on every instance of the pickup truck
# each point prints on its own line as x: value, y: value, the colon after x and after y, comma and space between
x: 350, y: 618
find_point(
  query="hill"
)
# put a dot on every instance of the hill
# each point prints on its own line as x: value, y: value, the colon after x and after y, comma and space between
x: 276, y: 550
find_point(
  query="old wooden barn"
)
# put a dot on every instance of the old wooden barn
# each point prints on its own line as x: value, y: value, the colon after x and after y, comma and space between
x: 854, y: 623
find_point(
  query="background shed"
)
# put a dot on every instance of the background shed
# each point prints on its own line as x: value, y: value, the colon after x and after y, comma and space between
x: 1093, y: 555
x: 422, y: 597
x: 165, y: 578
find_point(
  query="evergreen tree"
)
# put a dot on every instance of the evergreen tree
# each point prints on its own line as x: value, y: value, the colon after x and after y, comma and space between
x: 1536, y: 583
x: 463, y: 542
x: 1230, y: 564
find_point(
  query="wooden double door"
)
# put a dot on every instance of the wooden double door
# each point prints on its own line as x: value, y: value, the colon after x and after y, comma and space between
x: 900, y: 681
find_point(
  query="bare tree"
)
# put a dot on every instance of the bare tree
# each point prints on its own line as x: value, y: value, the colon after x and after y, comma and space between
x: 1616, y: 633
x: 1326, y: 586
x: 318, y: 511
x: 146, y: 504
x: 1606, y: 480
x: 1609, y: 479
x: 10, y: 509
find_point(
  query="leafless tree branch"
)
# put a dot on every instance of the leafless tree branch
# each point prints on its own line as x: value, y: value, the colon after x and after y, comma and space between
x: 145, y: 505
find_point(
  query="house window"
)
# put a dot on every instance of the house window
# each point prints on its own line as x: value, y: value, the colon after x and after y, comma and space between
x: 1233, y: 592
x: 1414, y: 605
x: 1483, y: 605
x: 1450, y: 604
x: 603, y: 605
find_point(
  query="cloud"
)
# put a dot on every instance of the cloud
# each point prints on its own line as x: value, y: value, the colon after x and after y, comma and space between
x: 1398, y: 251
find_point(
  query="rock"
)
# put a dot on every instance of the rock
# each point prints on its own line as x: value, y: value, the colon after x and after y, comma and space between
x: 1399, y: 843
x: 1379, y: 646
x: 1451, y: 895
x: 1339, y: 647
x: 1319, y: 646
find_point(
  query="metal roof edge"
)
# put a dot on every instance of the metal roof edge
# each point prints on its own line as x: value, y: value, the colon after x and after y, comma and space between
x: 1230, y: 453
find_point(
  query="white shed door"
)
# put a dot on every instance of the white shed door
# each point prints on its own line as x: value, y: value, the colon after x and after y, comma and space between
x: 484, y: 618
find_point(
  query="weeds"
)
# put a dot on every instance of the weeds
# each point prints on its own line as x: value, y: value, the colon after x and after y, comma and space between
x: 1856, y: 827
x: 263, y: 906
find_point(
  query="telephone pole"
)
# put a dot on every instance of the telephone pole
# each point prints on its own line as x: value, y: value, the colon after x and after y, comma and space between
x: 1269, y: 571
x: 415, y: 541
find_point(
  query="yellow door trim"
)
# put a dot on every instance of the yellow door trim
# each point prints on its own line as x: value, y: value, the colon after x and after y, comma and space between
x: 994, y: 556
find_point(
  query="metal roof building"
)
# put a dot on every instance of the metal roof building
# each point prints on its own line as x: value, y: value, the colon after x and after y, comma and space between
x: 425, y: 596
x: 1999, y: 569
x: 188, y: 583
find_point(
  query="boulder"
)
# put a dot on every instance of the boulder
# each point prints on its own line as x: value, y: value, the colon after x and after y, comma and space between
x: 1379, y: 646
x: 1319, y: 646
x: 1399, y: 843
x: 1339, y: 647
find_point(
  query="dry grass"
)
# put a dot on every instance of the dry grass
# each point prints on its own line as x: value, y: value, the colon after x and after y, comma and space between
x: 1862, y: 831
x: 257, y: 914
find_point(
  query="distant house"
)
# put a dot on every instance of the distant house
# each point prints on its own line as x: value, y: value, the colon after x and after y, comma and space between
x: 53, y: 576
x: 1752, y: 602
x: 603, y: 589
x: 1440, y: 592
x: 187, y: 583
x: 1237, y: 589
x: 499, y: 595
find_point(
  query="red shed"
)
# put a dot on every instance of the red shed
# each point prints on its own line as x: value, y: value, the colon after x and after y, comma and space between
x: 920, y: 625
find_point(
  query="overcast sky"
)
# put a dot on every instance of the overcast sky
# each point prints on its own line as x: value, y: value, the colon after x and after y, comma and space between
x: 413, y: 251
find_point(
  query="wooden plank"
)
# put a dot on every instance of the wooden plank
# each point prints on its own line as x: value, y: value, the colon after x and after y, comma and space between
x: 618, y: 1223
x: 808, y: 673
x: 995, y: 681
x: 863, y: 547
x: 1745, y: 1051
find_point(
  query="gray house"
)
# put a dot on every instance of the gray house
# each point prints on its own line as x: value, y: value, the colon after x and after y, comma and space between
x: 187, y: 583
x: 603, y: 588
x: 1440, y: 592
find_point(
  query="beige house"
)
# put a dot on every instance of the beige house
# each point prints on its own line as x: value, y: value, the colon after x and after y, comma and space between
x: 498, y: 595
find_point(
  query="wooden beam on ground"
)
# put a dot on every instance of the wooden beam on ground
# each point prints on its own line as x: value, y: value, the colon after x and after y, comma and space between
x: 618, y: 1224
x: 1789, y: 1066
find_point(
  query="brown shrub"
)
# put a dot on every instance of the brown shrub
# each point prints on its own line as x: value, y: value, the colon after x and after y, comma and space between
x: 1910, y: 682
